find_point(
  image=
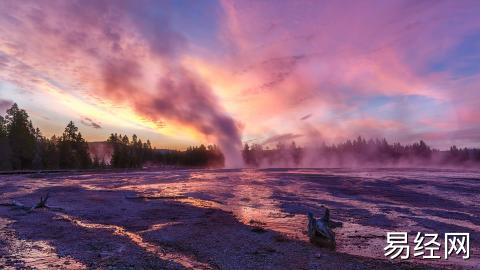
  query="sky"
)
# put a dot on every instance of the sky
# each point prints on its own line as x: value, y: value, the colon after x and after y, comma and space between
x: 228, y: 72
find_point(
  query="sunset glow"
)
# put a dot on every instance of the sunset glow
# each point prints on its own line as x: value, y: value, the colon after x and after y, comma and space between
x: 239, y: 134
x: 228, y: 72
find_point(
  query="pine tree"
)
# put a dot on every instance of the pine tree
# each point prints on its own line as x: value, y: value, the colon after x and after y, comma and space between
x: 21, y: 138
x: 73, y: 149
x: 4, y: 146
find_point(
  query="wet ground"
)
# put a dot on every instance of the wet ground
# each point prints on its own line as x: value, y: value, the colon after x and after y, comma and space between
x: 233, y: 219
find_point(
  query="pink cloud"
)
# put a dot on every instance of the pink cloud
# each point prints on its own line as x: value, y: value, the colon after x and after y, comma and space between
x: 306, y: 55
x: 101, y: 50
x: 274, y: 61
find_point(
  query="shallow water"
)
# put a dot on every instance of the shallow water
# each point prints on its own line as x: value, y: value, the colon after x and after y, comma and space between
x: 369, y: 202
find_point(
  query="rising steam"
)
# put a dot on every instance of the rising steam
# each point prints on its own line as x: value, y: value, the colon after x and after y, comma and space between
x: 123, y: 52
x: 178, y: 96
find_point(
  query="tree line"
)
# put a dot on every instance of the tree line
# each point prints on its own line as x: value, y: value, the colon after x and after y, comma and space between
x: 359, y: 152
x: 132, y: 153
x: 197, y: 156
x: 23, y: 147
x: 129, y: 153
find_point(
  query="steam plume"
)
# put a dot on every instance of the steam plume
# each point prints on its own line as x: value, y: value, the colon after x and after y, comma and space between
x: 123, y: 52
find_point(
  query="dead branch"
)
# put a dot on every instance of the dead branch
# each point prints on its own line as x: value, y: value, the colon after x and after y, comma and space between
x: 41, y: 204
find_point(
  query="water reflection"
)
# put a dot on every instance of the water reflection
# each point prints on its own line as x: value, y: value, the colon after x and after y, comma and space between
x: 137, y: 239
x: 23, y: 254
x: 368, y: 202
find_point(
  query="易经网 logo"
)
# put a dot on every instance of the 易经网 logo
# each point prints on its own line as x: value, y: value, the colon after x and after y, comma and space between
x: 427, y: 246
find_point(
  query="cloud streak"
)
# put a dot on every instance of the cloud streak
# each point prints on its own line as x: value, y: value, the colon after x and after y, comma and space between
x: 122, y: 52
x: 353, y: 54
x: 90, y: 123
x: 350, y: 68
x: 282, y: 138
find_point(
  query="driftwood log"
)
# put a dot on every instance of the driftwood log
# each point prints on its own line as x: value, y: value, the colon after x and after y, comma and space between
x: 41, y: 204
x: 319, y: 230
